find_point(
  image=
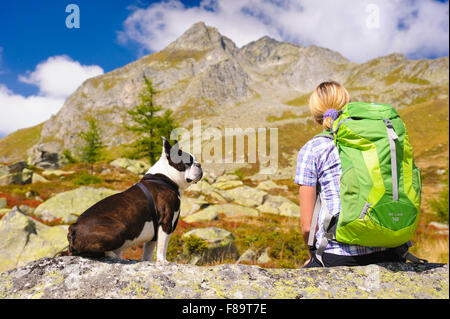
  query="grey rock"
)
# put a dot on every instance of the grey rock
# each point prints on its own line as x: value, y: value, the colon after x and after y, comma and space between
x: 4, y: 211
x: 230, y: 210
x: 438, y: 226
x: 16, y: 173
x: 204, y: 215
x: 23, y: 239
x: 71, y: 277
x: 189, y: 205
x: 27, y: 210
x: 67, y: 206
x: 220, y: 244
x: 264, y: 257
x: 38, y: 179
x: 270, y: 185
x: 137, y: 167
x: 279, y: 205
x: 247, y: 256
x: 247, y: 196
x: 47, y: 156
x: 17, y: 167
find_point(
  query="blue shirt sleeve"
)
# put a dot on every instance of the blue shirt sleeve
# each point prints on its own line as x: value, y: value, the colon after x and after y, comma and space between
x: 306, y: 171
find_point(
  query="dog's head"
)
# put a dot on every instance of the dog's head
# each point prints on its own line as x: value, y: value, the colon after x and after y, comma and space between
x: 181, y: 167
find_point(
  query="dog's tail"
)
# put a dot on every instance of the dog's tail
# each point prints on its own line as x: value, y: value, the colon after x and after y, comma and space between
x: 71, y: 238
x: 62, y: 252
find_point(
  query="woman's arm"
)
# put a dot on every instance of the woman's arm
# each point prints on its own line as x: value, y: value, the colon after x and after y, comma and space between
x: 307, y: 202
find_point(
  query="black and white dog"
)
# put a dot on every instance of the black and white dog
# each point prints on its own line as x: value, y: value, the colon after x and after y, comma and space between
x: 125, y: 219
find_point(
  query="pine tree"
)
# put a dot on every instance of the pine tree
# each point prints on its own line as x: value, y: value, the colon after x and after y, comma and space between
x: 91, y: 151
x: 149, y: 125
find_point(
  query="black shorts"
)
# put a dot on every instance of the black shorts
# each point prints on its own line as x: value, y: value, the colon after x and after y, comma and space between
x: 332, y: 260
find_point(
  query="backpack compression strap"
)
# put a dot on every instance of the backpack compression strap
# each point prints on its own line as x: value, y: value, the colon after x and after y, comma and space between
x: 328, y: 233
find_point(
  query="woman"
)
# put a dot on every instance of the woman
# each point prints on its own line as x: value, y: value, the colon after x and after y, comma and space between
x: 319, y: 163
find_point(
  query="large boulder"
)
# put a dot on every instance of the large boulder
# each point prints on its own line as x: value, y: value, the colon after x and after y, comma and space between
x: 137, y: 167
x: 23, y: 239
x: 270, y: 185
x: 279, y: 205
x: 227, y: 184
x: 46, y: 155
x: 233, y: 210
x: 189, y: 205
x: 67, y: 206
x: 4, y: 211
x: 227, y: 181
x: 219, y: 245
x: 16, y: 173
x: 247, y: 196
x: 202, y: 187
x: 204, y: 215
x: 71, y: 277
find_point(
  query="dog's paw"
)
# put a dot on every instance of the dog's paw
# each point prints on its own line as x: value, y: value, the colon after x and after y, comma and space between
x: 161, y: 261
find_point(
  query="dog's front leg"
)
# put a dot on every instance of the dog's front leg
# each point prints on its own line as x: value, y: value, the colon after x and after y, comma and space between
x: 163, y: 241
x: 149, y: 247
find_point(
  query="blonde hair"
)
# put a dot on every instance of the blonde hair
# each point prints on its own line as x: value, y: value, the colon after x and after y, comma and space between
x: 326, y: 96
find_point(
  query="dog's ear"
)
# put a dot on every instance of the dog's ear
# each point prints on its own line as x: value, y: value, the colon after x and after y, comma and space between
x: 166, y: 145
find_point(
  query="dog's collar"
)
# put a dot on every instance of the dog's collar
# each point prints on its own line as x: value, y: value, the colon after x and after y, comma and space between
x: 171, y: 185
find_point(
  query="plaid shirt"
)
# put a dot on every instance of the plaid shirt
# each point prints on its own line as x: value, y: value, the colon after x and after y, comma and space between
x: 318, y: 161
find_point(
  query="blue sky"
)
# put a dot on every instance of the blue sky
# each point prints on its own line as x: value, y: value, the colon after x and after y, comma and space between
x: 35, y: 44
x: 34, y: 30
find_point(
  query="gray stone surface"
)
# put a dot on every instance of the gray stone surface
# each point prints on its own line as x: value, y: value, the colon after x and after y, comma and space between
x: 76, y: 277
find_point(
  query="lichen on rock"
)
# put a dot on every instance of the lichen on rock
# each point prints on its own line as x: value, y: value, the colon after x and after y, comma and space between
x: 77, y: 277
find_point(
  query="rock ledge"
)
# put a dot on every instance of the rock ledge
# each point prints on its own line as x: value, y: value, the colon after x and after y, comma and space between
x: 76, y: 277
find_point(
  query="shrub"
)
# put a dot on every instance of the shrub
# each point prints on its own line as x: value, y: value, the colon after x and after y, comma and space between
x: 194, y: 245
x: 86, y: 179
x: 440, y: 205
x: 68, y: 155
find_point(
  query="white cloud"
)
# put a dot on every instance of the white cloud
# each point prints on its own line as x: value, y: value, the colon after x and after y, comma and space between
x: 359, y: 29
x: 59, y: 76
x: 56, y: 78
x: 19, y: 111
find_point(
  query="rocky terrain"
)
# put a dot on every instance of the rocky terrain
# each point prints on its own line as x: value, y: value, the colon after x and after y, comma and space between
x: 23, y: 229
x: 76, y: 277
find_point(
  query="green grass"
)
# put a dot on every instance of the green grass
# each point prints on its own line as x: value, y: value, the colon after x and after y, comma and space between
x: 427, y: 125
x: 299, y: 101
x: 440, y: 204
x: 15, y: 145
x: 281, y: 235
x: 286, y: 115
x: 194, y: 245
x: 86, y: 179
x: 174, y: 57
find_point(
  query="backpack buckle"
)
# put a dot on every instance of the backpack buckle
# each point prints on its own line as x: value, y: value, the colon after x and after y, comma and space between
x: 365, y: 211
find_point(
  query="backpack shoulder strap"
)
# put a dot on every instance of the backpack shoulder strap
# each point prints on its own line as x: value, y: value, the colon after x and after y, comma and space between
x: 326, y: 134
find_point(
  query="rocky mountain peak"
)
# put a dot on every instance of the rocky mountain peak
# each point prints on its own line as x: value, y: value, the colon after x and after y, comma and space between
x: 200, y: 37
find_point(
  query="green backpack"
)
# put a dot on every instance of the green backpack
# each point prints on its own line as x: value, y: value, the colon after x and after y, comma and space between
x: 380, y: 186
